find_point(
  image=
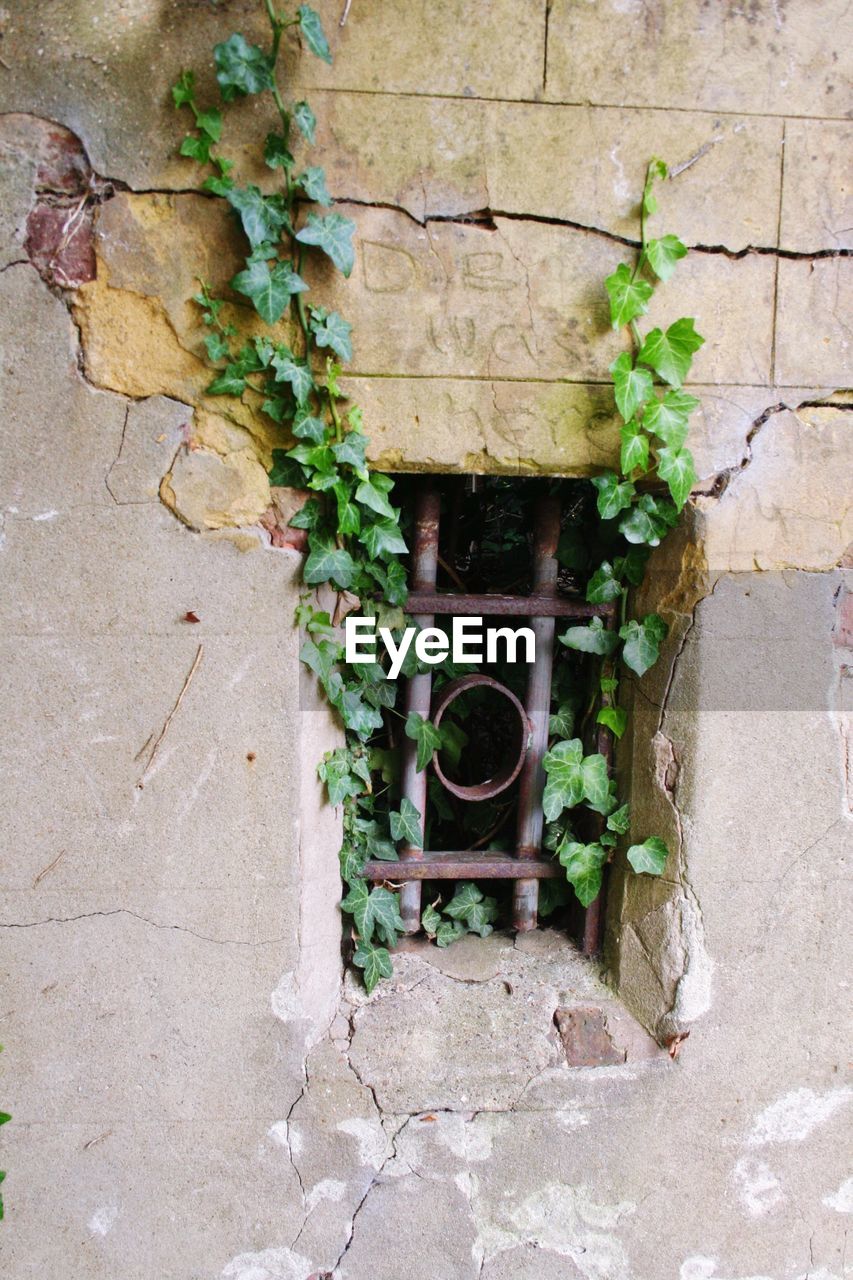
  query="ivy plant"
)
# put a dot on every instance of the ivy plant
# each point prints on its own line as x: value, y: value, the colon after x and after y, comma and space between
x: 291, y: 374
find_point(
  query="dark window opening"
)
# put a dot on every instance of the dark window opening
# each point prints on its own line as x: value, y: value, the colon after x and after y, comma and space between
x: 516, y: 553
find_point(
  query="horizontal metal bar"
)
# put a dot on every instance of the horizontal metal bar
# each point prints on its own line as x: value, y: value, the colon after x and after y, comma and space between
x: 532, y: 606
x: 466, y: 865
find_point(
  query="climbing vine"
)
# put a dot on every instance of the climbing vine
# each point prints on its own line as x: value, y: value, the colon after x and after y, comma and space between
x: 291, y: 374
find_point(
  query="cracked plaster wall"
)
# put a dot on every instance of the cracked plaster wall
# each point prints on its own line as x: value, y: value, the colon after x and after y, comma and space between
x: 195, y: 1094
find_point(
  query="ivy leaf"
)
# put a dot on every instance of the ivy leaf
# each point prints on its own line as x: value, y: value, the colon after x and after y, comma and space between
x: 453, y: 739
x: 632, y: 565
x: 372, y: 493
x: 648, y: 520
x: 351, y: 450
x: 216, y: 346
x: 614, y: 495
x: 635, y: 446
x: 286, y: 472
x: 306, y: 121
x: 430, y: 920
x: 358, y: 716
x: 306, y: 427
x: 296, y: 372
x: 184, y: 91
x: 583, y: 864
x: 406, y: 824
x: 613, y: 718
x: 349, y: 516
x: 629, y: 296
x: 448, y: 931
x: 331, y: 330
x: 632, y: 387
x: 241, y: 68
x: 210, y: 122
x: 675, y: 466
x: 650, y: 857
x: 663, y: 254
x: 670, y: 354
x: 374, y: 961
x: 217, y: 186
x: 643, y: 640
x: 562, y: 722
x: 262, y: 217
x: 340, y: 781
x: 479, y: 918
x: 196, y: 148
x: 593, y: 638
x: 320, y: 658
x: 657, y: 169
x: 270, y: 291
x: 619, y: 820
x: 312, y: 29
x: 383, y: 915
x: 466, y: 897
x: 668, y: 418
x: 276, y: 153
x: 603, y: 586
x: 326, y: 562
x: 425, y: 735
x: 564, y: 788
x: 333, y: 234
x: 313, y: 183
x: 383, y: 539
x: 230, y: 382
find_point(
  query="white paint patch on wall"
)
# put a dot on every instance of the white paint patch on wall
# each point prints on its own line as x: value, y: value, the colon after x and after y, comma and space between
x: 103, y: 1220
x: 470, y: 1139
x: 328, y: 1189
x: 842, y: 1199
x: 794, y: 1116
x: 285, y: 1000
x: 270, y: 1264
x: 758, y: 1188
x: 373, y: 1144
x: 567, y: 1221
x: 700, y: 1267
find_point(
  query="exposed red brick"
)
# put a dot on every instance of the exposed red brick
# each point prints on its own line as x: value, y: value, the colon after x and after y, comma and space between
x: 842, y: 632
x: 586, y: 1040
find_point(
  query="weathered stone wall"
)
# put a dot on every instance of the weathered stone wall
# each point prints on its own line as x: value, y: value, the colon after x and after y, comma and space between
x: 194, y: 1092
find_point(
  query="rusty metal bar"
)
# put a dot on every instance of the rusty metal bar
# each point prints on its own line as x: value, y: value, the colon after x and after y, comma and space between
x: 540, y: 604
x: 511, y: 768
x: 419, y: 689
x: 538, y: 706
x: 461, y: 865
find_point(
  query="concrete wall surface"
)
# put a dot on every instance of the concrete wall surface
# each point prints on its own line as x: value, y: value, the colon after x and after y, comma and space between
x: 198, y: 1090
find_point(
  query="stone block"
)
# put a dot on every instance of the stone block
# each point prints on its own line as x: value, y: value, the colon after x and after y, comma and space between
x: 817, y: 192
x: 757, y: 59
x: 813, y: 340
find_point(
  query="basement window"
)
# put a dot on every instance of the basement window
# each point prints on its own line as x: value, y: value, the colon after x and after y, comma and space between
x: 515, y: 554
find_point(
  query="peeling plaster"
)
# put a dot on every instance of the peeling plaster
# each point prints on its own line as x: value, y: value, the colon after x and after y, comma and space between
x: 794, y: 1116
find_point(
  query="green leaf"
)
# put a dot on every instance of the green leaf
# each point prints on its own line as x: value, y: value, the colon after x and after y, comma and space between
x: 305, y: 121
x: 643, y: 640
x: 270, y: 291
x: 296, y: 372
x: 210, y: 122
x: 668, y: 418
x: 629, y: 296
x: 632, y: 565
x: 648, y: 520
x: 562, y: 722
x: 593, y: 638
x: 312, y: 30
x: 635, y: 447
x: 372, y: 493
x: 583, y: 864
x: 383, y: 915
x: 358, y: 716
x: 230, y: 382
x: 313, y: 183
x: 331, y: 330
x: 406, y: 824
x: 565, y: 787
x: 670, y: 354
x: 241, y: 68
x: 216, y: 346
x: 349, y: 516
x: 262, y: 216
x: 320, y: 658
x: 196, y: 148
x: 334, y: 769
x: 675, y: 466
x: 425, y: 735
x: 4, y: 1117
x: 620, y: 820
x: 663, y: 254
x: 184, y: 91
x: 632, y: 387
x: 613, y: 718
x: 603, y: 587
x: 448, y: 931
x: 614, y: 495
x: 333, y: 234
x: 351, y: 450
x: 430, y: 920
x: 383, y: 539
x: 327, y: 562
x: 650, y: 857
x: 307, y: 427
x: 217, y: 186
x: 375, y: 961
x: 276, y: 153
x: 286, y: 473
x: 466, y: 897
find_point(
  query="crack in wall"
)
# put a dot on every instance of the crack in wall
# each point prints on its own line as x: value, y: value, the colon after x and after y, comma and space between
x: 155, y: 924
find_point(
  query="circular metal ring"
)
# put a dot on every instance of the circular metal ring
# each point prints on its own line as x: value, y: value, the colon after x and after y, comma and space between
x: 508, y: 772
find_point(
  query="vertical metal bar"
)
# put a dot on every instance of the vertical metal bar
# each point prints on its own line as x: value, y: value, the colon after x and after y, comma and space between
x: 538, y: 707
x: 419, y: 689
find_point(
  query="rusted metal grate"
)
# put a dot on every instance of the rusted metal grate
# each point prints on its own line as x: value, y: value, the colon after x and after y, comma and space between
x: 526, y: 866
